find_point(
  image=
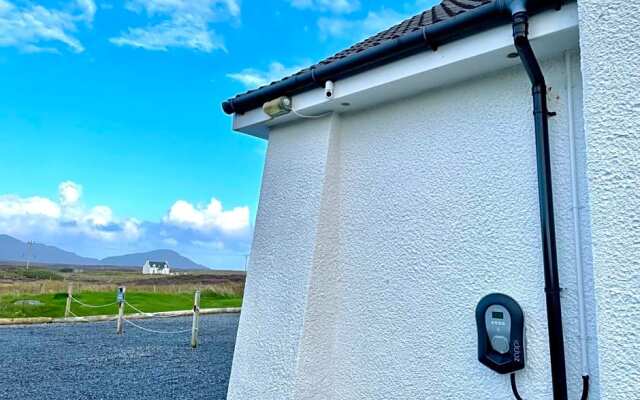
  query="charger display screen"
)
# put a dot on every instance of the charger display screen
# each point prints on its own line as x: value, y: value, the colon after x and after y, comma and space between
x: 497, y: 315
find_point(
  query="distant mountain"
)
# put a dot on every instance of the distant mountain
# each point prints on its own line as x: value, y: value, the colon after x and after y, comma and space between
x: 12, y: 249
x: 174, y: 259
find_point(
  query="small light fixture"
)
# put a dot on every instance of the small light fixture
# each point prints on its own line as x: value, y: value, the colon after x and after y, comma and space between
x: 277, y: 107
x: 512, y: 55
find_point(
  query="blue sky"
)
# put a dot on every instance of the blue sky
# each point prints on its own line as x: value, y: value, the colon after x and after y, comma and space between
x: 111, y: 130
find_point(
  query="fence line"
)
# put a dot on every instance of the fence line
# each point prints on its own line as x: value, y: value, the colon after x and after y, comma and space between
x: 93, y: 306
x: 154, y: 315
x: 155, y: 331
x: 147, y: 329
x: 122, y: 303
x: 136, y: 308
x: 74, y: 314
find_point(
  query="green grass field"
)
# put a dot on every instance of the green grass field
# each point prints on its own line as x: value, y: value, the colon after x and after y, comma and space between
x: 53, y: 305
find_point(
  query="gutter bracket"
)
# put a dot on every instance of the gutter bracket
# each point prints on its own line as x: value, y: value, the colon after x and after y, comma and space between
x: 313, y: 75
x: 425, y: 36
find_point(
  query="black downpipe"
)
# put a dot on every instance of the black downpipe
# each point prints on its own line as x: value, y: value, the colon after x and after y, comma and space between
x: 545, y: 194
x: 585, y: 387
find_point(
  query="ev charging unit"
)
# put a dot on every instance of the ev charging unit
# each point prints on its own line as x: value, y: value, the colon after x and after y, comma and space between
x: 500, y: 323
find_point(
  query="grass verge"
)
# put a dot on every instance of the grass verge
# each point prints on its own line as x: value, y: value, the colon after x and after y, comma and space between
x: 53, y: 305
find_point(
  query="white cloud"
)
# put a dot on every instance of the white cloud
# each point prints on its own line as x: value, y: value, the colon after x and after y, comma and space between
x: 131, y: 229
x: 32, y: 49
x: 70, y: 192
x: 170, y: 242
x: 183, y: 24
x: 99, y: 216
x: 88, y: 8
x: 335, y: 6
x: 252, y: 78
x: 233, y: 6
x: 357, y: 29
x: 211, y: 217
x: 215, y: 245
x: 29, y: 25
x: 13, y: 206
x: 24, y: 215
x: 171, y: 34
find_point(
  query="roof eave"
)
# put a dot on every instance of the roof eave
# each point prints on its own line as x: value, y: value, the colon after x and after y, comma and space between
x: 429, y: 37
x: 552, y: 33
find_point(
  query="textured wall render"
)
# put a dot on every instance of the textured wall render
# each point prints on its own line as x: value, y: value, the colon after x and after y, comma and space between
x: 610, y: 49
x: 423, y: 207
x: 439, y: 205
x: 272, y: 320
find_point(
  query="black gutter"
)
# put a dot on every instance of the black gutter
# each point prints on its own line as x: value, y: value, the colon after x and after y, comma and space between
x: 545, y: 195
x: 431, y: 37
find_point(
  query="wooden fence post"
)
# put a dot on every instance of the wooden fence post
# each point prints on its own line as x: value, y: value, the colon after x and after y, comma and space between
x: 67, y: 310
x: 121, y: 306
x: 196, y: 320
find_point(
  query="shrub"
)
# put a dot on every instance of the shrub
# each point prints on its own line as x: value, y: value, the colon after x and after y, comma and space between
x: 41, y: 274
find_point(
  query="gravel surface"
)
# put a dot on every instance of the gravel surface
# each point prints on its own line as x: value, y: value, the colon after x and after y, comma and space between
x: 89, y: 361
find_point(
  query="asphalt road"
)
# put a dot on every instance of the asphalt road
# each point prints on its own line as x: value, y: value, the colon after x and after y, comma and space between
x: 89, y: 361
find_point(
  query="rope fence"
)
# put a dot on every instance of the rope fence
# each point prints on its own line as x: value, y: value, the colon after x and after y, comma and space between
x: 74, y: 314
x: 137, y: 309
x: 121, y: 302
x: 154, y: 315
x: 155, y: 331
x: 93, y: 306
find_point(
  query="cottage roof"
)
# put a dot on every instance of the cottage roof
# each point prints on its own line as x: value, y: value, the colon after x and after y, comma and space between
x: 474, y: 15
x: 159, y: 264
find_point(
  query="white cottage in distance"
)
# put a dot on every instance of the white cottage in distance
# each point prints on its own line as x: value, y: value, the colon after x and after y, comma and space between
x: 156, y: 268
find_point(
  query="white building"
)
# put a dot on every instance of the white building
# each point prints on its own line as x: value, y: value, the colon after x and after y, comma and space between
x: 156, y: 268
x: 414, y: 193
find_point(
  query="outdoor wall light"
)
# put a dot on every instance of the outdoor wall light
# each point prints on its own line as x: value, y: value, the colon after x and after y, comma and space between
x: 277, y: 107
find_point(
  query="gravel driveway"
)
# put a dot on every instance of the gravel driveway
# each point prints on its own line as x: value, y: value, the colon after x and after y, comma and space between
x: 89, y: 361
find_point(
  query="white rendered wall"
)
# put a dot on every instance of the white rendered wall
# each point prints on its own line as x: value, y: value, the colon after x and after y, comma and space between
x: 281, y: 263
x: 611, y: 63
x: 379, y: 231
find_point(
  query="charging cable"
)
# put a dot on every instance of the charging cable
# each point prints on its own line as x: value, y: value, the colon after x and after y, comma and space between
x: 585, y: 387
